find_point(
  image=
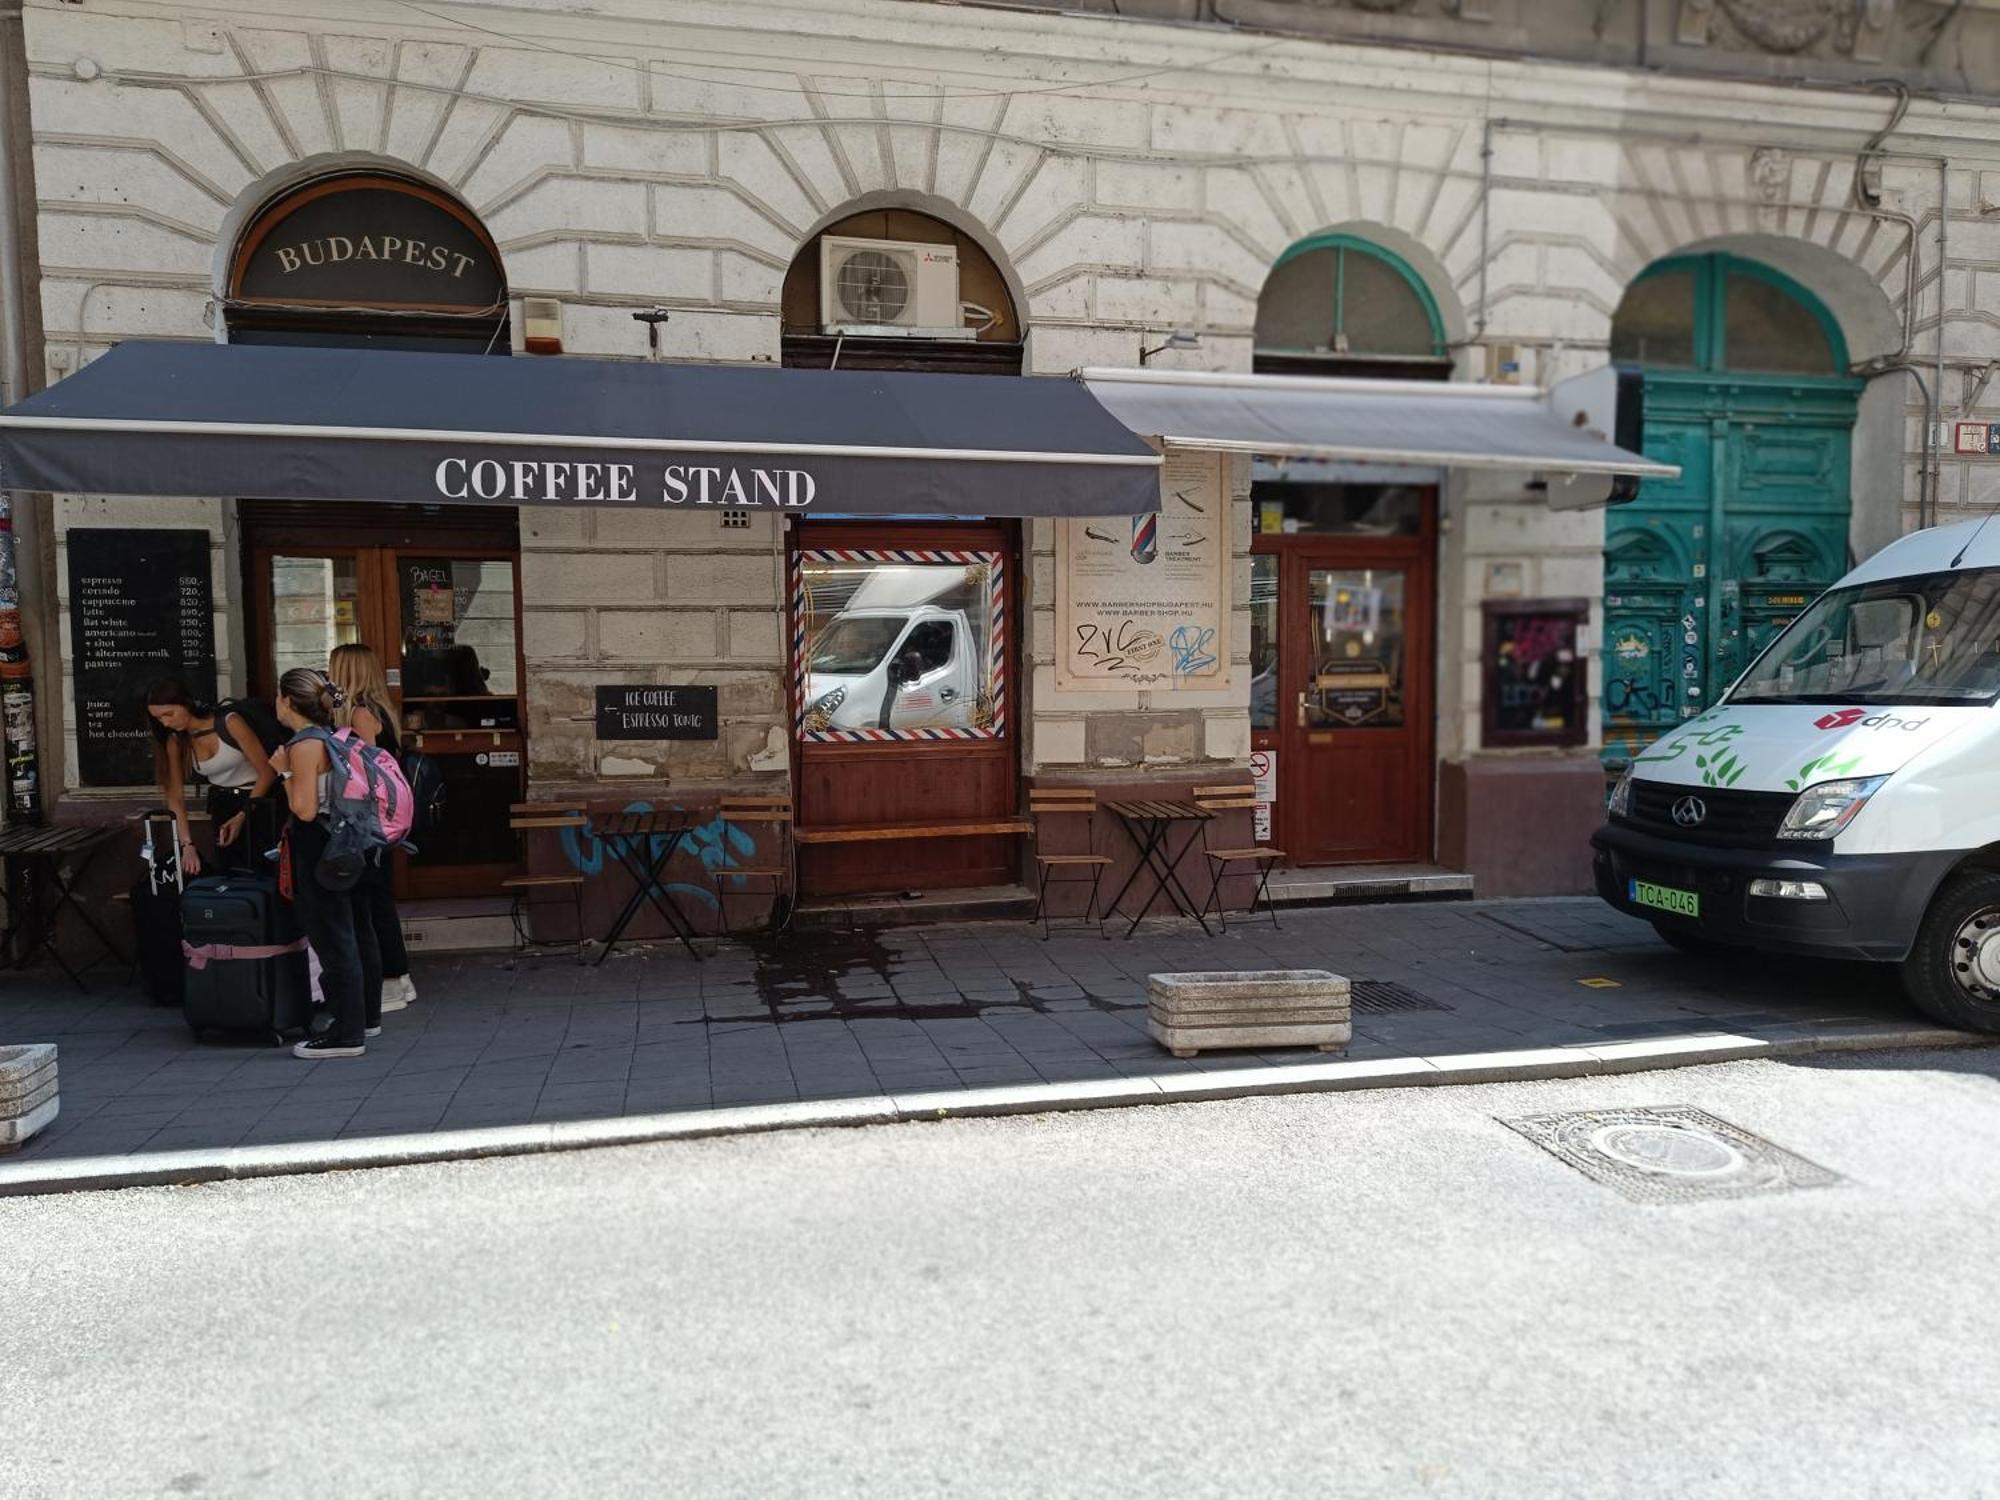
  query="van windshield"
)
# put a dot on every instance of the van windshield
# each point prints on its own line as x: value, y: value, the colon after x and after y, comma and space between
x: 1932, y: 639
x: 854, y: 645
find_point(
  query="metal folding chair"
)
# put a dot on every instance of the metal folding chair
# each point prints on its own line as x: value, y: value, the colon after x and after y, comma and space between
x: 1051, y: 808
x: 752, y: 814
x: 1222, y: 863
x: 528, y: 817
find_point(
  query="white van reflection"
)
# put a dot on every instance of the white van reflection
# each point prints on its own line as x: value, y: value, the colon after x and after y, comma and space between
x: 893, y: 669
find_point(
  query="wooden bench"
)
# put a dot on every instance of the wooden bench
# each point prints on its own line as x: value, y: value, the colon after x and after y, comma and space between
x: 868, y: 833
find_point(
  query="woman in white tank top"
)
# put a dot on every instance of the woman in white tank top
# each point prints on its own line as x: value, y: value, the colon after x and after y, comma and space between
x: 223, y: 749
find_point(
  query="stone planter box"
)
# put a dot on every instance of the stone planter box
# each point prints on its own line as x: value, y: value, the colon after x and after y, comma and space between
x: 27, y: 1092
x: 1190, y: 1013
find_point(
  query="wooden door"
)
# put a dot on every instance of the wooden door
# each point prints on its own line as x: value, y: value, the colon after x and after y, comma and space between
x: 1342, y: 693
x: 903, y: 703
x: 440, y: 610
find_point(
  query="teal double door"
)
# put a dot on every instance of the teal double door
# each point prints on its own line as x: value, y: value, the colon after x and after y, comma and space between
x: 1701, y: 572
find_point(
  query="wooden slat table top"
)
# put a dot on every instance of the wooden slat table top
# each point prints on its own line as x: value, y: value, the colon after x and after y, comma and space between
x: 630, y: 824
x: 62, y: 839
x: 1175, y: 811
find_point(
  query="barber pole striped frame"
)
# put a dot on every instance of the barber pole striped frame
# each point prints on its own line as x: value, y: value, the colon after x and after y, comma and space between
x: 996, y: 668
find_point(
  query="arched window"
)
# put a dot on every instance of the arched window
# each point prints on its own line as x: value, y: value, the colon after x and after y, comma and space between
x: 893, y: 303
x: 1336, y: 300
x: 365, y: 257
x: 1718, y: 312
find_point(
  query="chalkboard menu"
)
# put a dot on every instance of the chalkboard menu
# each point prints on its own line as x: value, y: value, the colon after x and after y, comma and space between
x: 141, y: 607
x: 646, y: 712
x: 1536, y: 680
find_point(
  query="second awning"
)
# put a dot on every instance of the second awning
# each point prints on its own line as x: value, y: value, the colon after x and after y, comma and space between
x: 1404, y: 422
x: 296, y: 423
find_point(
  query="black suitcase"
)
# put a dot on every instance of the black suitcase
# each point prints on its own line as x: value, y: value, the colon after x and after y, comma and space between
x: 156, y: 908
x: 246, y: 955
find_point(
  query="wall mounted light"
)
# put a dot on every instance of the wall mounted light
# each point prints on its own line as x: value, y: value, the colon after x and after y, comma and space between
x: 1180, y: 338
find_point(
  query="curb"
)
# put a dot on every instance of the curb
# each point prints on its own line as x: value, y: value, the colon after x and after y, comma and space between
x: 238, y: 1163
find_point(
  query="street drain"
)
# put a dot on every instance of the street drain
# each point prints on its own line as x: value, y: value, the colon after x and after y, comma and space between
x: 1378, y: 997
x: 1669, y: 1153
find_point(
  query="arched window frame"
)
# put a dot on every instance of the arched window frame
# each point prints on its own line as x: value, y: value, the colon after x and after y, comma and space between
x: 1343, y: 245
x: 1711, y: 311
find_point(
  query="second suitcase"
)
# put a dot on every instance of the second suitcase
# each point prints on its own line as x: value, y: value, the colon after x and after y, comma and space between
x: 246, y: 958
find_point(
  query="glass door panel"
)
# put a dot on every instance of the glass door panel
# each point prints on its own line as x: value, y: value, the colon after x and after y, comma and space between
x: 315, y: 606
x: 1355, y: 642
x: 456, y: 624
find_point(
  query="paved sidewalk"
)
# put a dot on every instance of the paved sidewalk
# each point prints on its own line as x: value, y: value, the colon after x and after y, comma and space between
x: 905, y: 1011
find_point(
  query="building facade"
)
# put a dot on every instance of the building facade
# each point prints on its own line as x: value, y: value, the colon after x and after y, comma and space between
x: 1434, y: 665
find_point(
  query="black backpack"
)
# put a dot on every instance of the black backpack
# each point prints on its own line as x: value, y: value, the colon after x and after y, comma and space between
x: 259, y: 715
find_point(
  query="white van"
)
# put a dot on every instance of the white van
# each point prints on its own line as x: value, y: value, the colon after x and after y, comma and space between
x: 912, y: 667
x: 1843, y: 798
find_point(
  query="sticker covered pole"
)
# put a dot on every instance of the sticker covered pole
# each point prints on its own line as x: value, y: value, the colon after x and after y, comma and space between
x: 17, y: 686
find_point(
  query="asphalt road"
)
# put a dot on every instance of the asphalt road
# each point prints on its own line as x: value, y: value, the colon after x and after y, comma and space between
x: 1363, y: 1294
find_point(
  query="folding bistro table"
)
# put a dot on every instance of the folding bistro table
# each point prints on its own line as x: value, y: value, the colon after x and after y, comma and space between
x: 1150, y: 827
x: 643, y: 842
x: 34, y: 858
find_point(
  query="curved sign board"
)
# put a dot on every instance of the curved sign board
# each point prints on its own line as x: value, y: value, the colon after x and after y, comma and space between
x: 368, y: 242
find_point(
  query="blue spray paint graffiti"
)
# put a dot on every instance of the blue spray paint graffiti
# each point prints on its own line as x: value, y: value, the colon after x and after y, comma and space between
x: 1193, y: 648
x: 716, y: 846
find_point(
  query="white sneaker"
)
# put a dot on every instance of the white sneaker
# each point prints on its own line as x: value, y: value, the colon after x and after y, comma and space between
x: 398, y: 992
x: 372, y: 1032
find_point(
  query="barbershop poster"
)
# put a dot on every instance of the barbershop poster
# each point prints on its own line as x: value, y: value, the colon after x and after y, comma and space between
x: 1143, y: 601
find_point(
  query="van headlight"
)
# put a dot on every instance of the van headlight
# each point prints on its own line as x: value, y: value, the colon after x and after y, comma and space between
x: 826, y: 703
x: 1822, y: 811
x: 1620, y: 805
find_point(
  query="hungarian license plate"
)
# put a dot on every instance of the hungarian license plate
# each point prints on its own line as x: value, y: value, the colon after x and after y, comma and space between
x: 1665, y: 898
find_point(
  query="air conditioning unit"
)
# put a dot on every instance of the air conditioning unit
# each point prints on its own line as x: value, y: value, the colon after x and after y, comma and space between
x: 877, y: 287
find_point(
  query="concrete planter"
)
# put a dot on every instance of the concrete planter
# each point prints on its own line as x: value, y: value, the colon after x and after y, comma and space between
x: 27, y: 1092
x: 1190, y: 1013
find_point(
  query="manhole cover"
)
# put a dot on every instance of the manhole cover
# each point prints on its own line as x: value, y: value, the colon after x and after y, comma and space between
x: 1670, y: 1153
x: 1375, y: 997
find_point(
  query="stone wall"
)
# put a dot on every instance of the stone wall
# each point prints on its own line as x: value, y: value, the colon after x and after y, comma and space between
x: 647, y: 596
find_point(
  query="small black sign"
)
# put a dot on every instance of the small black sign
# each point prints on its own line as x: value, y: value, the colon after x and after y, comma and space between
x: 646, y: 712
x: 141, y: 607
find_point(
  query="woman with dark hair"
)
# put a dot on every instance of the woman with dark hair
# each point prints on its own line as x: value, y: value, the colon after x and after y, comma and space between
x: 217, y: 743
x: 338, y: 924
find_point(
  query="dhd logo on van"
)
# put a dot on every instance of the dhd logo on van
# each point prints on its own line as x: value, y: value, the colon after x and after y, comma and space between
x: 1845, y: 718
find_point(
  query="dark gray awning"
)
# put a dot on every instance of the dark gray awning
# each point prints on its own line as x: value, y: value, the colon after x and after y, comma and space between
x: 369, y: 424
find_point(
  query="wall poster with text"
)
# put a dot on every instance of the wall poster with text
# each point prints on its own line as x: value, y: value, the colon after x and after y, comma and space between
x: 1143, y: 601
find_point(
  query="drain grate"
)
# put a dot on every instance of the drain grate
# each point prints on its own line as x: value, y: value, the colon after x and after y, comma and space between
x: 1670, y: 1153
x: 1379, y: 997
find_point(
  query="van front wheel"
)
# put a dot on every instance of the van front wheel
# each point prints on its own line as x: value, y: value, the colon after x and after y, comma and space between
x: 1953, y: 971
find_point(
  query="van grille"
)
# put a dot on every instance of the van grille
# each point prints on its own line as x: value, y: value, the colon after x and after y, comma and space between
x: 1732, y: 819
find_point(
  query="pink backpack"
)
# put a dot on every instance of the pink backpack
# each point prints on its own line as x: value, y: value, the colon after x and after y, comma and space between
x: 368, y: 789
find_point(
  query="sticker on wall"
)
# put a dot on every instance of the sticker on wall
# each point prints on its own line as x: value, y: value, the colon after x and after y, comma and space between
x: 1633, y: 647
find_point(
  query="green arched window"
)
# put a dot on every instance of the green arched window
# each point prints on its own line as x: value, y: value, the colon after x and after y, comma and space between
x: 1718, y: 312
x: 1338, y: 295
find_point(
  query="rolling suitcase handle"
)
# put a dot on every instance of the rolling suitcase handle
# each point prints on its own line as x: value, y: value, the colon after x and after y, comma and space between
x: 161, y: 870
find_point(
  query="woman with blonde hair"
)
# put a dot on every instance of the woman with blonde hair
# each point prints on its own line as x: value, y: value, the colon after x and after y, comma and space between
x: 366, y: 710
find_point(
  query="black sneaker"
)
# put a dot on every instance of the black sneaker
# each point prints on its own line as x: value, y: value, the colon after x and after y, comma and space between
x: 372, y: 1032
x: 314, y: 1048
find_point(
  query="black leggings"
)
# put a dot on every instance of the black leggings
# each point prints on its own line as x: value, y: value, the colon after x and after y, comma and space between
x: 341, y: 929
x: 380, y: 886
